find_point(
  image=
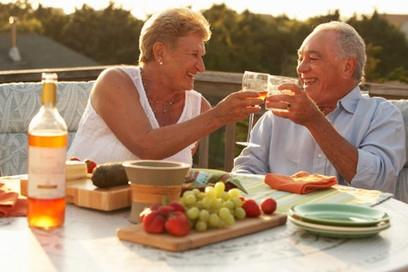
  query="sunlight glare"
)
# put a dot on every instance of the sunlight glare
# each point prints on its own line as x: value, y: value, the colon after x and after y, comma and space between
x: 297, y: 9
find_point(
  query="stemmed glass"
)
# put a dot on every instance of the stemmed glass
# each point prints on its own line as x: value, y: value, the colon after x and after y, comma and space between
x: 255, y: 82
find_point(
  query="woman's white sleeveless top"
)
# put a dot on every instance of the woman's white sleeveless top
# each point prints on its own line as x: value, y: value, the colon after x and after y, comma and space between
x: 94, y: 140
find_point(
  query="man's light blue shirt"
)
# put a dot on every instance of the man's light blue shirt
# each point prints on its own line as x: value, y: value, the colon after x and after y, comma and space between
x: 373, y: 125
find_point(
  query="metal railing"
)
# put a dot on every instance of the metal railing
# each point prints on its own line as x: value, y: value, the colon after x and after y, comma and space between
x: 213, y: 85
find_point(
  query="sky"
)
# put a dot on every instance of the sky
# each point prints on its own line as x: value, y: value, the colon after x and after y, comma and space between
x: 295, y: 9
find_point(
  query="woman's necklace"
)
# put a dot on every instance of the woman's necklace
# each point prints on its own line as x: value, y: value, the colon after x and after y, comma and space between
x: 158, y: 106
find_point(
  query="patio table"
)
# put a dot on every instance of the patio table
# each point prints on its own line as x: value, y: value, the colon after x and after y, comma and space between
x: 88, y: 242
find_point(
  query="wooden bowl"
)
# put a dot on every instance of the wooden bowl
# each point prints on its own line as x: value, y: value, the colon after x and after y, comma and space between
x: 153, y: 182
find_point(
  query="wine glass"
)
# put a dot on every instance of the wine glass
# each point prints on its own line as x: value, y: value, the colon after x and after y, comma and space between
x: 273, y: 83
x: 258, y: 82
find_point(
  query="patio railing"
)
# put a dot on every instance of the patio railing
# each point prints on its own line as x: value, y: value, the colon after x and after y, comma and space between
x: 213, y: 85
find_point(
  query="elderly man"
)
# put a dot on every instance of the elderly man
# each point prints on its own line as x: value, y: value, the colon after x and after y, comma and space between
x: 328, y: 127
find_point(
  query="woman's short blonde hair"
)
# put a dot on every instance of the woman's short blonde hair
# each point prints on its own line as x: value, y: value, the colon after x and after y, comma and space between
x: 168, y: 26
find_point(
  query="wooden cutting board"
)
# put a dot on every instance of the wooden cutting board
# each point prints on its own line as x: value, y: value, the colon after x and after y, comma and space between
x: 83, y: 193
x: 195, y: 239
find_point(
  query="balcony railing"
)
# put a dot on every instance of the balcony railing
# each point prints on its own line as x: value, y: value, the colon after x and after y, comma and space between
x: 213, y: 85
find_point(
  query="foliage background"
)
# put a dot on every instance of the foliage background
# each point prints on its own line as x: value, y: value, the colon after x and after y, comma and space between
x: 240, y: 41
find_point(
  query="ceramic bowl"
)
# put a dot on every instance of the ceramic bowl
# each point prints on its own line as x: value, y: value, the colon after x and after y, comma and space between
x: 153, y: 182
x: 152, y: 172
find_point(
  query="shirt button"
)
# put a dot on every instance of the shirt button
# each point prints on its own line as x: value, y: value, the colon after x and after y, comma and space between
x: 319, y: 156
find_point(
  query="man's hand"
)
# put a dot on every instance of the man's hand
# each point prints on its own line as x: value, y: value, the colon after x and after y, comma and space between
x: 294, y: 104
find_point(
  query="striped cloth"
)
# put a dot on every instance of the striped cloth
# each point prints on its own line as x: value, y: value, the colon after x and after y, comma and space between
x: 258, y: 190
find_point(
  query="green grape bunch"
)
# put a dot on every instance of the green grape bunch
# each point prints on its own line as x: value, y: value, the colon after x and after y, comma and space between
x: 213, y: 207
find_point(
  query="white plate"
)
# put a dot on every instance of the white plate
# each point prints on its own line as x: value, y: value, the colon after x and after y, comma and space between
x: 340, y: 231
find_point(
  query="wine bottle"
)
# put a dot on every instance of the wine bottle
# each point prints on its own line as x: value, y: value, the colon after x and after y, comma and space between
x: 47, y: 147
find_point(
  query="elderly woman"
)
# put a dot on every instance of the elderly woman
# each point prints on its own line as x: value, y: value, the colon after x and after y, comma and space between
x: 151, y: 111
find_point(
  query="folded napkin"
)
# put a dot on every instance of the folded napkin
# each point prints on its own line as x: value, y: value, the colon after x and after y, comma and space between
x: 301, y: 182
x: 11, y: 204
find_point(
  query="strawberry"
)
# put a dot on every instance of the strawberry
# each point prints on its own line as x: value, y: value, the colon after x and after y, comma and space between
x: 268, y: 206
x: 251, y: 208
x: 177, y: 206
x: 145, y: 212
x: 166, y: 210
x: 154, y: 207
x: 90, y: 166
x: 154, y: 222
x: 177, y: 224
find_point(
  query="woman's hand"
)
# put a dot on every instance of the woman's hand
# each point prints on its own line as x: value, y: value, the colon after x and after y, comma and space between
x: 237, y: 106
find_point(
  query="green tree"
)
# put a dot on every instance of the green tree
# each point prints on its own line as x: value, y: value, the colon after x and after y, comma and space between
x: 109, y: 36
x: 52, y: 21
x: 315, y: 21
x: 391, y: 47
x: 23, y: 11
x: 248, y: 41
x: 240, y: 41
x: 220, y: 48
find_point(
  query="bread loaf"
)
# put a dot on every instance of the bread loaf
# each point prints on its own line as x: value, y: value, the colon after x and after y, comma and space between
x: 109, y: 175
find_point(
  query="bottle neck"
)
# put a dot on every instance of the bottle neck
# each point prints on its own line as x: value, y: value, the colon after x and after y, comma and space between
x: 49, y: 94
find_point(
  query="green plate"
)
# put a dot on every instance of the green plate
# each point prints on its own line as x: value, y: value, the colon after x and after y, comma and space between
x: 340, y: 231
x: 339, y: 214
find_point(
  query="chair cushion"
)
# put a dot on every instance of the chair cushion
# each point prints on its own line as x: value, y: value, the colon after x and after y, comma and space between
x: 402, y: 105
x: 19, y: 102
x: 401, y: 192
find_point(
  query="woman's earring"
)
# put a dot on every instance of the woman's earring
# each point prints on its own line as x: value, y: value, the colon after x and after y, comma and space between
x: 160, y: 62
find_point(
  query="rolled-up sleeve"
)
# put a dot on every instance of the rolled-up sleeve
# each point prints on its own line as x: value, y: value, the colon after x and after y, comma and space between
x: 381, y: 153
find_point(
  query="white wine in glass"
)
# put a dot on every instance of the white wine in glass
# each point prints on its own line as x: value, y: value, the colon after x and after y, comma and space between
x: 258, y: 82
x: 274, y: 82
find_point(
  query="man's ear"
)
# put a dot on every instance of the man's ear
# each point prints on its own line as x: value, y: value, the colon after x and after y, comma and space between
x: 350, y: 66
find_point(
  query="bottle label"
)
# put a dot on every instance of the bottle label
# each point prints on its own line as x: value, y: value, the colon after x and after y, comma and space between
x: 46, y: 172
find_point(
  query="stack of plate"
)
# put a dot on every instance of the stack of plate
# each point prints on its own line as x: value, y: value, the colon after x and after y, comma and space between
x: 339, y: 220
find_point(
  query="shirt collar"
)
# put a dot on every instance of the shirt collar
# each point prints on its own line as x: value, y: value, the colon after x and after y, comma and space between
x: 349, y: 102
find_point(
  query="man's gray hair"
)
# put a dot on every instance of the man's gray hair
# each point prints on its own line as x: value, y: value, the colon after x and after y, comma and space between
x: 350, y: 43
